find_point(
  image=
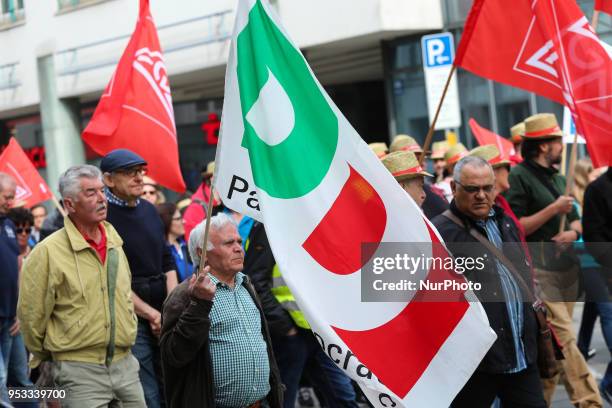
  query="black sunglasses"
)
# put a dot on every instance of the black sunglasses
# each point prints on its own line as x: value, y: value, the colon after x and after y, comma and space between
x: 22, y: 230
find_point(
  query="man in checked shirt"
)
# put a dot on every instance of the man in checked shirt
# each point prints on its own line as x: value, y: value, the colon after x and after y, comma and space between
x: 215, y: 344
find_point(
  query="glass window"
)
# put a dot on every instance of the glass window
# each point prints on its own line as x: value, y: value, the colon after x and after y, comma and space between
x: 512, y: 106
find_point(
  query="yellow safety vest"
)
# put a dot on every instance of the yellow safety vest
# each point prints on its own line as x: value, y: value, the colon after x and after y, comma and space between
x: 283, y: 295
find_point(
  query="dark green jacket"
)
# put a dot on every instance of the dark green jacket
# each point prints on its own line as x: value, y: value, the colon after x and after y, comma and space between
x: 528, y: 195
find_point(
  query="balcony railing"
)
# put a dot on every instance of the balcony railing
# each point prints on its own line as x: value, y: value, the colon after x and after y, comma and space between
x: 11, y: 17
x: 208, y: 29
x: 8, y: 76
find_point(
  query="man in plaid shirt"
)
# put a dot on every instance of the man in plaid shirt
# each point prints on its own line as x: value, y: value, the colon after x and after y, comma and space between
x: 216, y: 349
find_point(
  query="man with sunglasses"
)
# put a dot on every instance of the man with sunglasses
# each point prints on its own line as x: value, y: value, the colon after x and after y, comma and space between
x: 509, y: 370
x: 151, y: 262
x: 537, y: 198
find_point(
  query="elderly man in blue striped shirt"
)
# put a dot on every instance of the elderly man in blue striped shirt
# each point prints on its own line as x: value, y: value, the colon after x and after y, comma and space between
x: 509, y: 370
x: 216, y: 349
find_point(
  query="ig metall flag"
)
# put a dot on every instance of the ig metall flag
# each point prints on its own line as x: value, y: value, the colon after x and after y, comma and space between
x: 289, y: 158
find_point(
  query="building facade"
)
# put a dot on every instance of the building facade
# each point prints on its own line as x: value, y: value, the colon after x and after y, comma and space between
x: 58, y: 55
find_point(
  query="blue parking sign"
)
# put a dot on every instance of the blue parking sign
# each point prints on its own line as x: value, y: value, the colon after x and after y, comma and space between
x: 438, y: 50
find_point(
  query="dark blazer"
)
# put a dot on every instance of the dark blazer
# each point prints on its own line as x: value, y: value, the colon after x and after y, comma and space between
x: 186, y: 359
x: 597, y: 219
x: 501, y: 356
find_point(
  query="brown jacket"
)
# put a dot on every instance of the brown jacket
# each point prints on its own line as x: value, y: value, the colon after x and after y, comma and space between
x: 186, y: 360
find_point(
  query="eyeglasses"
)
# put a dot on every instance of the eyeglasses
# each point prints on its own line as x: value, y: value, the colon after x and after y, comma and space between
x: 133, y: 171
x: 476, y: 189
x: 153, y: 192
x: 179, y: 218
x: 22, y: 230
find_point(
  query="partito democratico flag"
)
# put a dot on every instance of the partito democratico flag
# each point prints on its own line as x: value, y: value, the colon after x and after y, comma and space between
x: 289, y: 158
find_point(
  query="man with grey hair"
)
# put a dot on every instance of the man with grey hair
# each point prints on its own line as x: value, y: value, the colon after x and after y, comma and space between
x: 75, y: 303
x: 12, y: 351
x: 474, y: 228
x: 215, y: 343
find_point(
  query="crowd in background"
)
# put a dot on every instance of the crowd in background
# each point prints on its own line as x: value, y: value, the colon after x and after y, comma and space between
x: 492, y: 193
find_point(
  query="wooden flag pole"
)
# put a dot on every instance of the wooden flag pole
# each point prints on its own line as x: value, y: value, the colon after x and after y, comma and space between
x: 58, y: 205
x: 595, y: 20
x: 570, y: 177
x: 206, y: 230
x: 427, y: 142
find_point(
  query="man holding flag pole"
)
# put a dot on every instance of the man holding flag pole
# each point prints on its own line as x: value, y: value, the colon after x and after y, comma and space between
x: 318, y: 212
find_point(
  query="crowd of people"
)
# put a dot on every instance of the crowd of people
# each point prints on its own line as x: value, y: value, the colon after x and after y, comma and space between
x: 116, y: 304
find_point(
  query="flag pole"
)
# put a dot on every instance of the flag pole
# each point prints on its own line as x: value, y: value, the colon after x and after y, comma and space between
x: 570, y: 177
x: 58, y: 205
x: 595, y: 20
x: 429, y: 136
x: 206, y: 229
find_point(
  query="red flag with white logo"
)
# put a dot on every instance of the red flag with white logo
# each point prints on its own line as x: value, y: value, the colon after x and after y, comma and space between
x: 604, y: 5
x: 31, y: 188
x: 135, y: 111
x: 546, y: 47
x: 486, y: 137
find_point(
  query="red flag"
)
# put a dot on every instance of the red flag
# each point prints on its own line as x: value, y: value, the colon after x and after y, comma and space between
x: 547, y: 47
x: 31, y: 188
x: 135, y: 111
x: 604, y: 5
x: 485, y: 137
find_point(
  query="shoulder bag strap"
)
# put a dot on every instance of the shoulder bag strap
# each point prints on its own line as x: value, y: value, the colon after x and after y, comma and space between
x: 494, y: 250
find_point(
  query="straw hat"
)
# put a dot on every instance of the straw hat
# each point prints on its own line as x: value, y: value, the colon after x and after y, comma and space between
x: 542, y: 126
x: 405, y: 143
x: 379, y: 149
x: 403, y: 165
x: 491, y: 154
x: 148, y: 181
x: 516, y: 132
x: 210, y: 169
x: 455, y: 153
x: 438, y: 150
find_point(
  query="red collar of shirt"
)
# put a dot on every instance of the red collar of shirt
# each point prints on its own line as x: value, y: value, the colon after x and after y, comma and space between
x: 100, y: 247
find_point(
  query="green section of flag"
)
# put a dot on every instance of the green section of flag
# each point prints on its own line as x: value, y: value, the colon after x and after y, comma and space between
x: 298, y: 164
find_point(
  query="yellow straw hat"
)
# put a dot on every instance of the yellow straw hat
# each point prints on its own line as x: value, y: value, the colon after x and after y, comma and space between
x: 379, y: 149
x: 491, y: 154
x: 404, y: 165
x: 438, y: 149
x: 516, y: 132
x: 405, y: 143
x: 542, y: 126
x: 455, y: 153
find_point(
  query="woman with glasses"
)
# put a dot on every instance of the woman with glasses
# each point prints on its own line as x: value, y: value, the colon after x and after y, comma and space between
x: 23, y: 220
x: 151, y: 192
x: 175, y: 238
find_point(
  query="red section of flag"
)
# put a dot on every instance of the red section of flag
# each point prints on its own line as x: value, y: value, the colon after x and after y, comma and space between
x: 135, y: 110
x: 413, y: 338
x: 604, y: 5
x: 357, y: 215
x: 486, y: 137
x: 31, y: 188
x: 547, y: 47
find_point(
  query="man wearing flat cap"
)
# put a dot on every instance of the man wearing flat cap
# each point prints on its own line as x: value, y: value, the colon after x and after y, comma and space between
x: 537, y: 198
x: 151, y: 262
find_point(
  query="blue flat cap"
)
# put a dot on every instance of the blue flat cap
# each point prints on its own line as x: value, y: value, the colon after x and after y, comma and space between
x: 120, y: 159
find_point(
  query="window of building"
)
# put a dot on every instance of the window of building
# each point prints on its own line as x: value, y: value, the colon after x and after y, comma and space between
x: 11, y: 12
x: 68, y: 5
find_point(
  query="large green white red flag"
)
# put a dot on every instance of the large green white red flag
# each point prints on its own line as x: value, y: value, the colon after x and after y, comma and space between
x: 289, y: 158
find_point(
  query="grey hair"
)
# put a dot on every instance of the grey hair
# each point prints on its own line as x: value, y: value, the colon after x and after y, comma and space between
x: 473, y: 161
x: 5, y: 179
x: 197, y: 234
x: 70, y: 180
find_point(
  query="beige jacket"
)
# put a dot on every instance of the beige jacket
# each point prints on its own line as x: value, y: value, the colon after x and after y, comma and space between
x: 63, y: 302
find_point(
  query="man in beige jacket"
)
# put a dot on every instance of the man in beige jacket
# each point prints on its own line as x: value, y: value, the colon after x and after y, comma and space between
x: 75, y: 303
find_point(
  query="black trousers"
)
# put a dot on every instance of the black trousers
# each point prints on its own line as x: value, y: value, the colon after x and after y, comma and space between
x: 520, y: 390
